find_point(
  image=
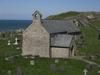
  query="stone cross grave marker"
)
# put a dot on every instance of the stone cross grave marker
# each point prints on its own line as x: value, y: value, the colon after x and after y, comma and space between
x: 85, y: 71
x: 16, y: 41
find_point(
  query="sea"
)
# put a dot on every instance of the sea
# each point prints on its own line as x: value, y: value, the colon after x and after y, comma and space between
x: 10, y: 25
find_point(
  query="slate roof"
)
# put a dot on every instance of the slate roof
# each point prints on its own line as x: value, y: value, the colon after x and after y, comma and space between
x: 61, y: 40
x: 56, y: 26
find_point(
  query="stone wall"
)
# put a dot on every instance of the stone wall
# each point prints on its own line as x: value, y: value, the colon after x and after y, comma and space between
x: 35, y: 40
x: 60, y: 52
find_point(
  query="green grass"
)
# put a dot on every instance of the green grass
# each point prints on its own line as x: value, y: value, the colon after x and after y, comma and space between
x: 6, y: 50
x: 42, y: 67
x: 91, y: 43
x: 63, y: 15
x: 96, y: 24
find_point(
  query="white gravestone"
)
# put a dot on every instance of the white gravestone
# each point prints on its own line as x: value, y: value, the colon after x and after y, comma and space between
x: 85, y: 71
x: 18, y: 48
x: 16, y: 41
x: 56, y: 61
x: 9, y: 72
x: 32, y: 62
x: 9, y: 42
x: 98, y: 72
x: 6, y: 58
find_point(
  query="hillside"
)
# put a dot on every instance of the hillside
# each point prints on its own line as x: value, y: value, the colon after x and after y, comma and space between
x: 63, y: 15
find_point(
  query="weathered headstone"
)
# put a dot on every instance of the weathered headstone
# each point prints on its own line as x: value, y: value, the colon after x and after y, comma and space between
x: 18, y: 71
x: 56, y: 61
x: 9, y: 42
x: 18, y: 48
x: 62, y: 68
x: 85, y: 71
x: 6, y: 58
x: 53, y: 67
x: 9, y: 72
x: 32, y: 62
x: 65, y: 62
x: 98, y: 72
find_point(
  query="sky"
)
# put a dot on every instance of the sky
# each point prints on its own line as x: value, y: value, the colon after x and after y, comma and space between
x: 23, y: 9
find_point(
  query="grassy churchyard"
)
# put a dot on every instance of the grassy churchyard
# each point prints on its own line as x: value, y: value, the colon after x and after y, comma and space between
x: 44, y: 66
x: 6, y: 51
x: 18, y: 65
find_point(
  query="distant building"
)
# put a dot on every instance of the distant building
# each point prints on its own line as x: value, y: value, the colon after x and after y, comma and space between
x: 49, y: 38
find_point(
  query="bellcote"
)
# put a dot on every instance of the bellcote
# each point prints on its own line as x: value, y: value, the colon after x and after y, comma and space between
x: 37, y: 16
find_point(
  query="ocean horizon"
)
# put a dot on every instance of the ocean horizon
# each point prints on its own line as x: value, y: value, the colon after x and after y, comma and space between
x: 9, y: 25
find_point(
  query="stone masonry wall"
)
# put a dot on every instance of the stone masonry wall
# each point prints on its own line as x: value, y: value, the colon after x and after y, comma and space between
x: 35, y: 40
x: 60, y: 52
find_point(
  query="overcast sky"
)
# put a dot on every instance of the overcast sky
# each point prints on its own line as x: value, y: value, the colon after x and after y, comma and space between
x: 23, y: 9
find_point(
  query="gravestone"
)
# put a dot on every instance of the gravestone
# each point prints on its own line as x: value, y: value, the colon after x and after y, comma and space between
x: 9, y: 72
x: 6, y: 58
x: 18, y: 71
x: 32, y: 57
x: 53, y: 67
x: 98, y: 72
x: 89, y: 66
x: 85, y: 71
x: 32, y: 62
x: 62, y: 68
x: 18, y: 48
x: 9, y: 43
x: 65, y: 62
x: 16, y: 41
x: 56, y: 61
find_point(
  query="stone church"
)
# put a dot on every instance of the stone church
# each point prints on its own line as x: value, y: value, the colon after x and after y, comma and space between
x: 49, y: 38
